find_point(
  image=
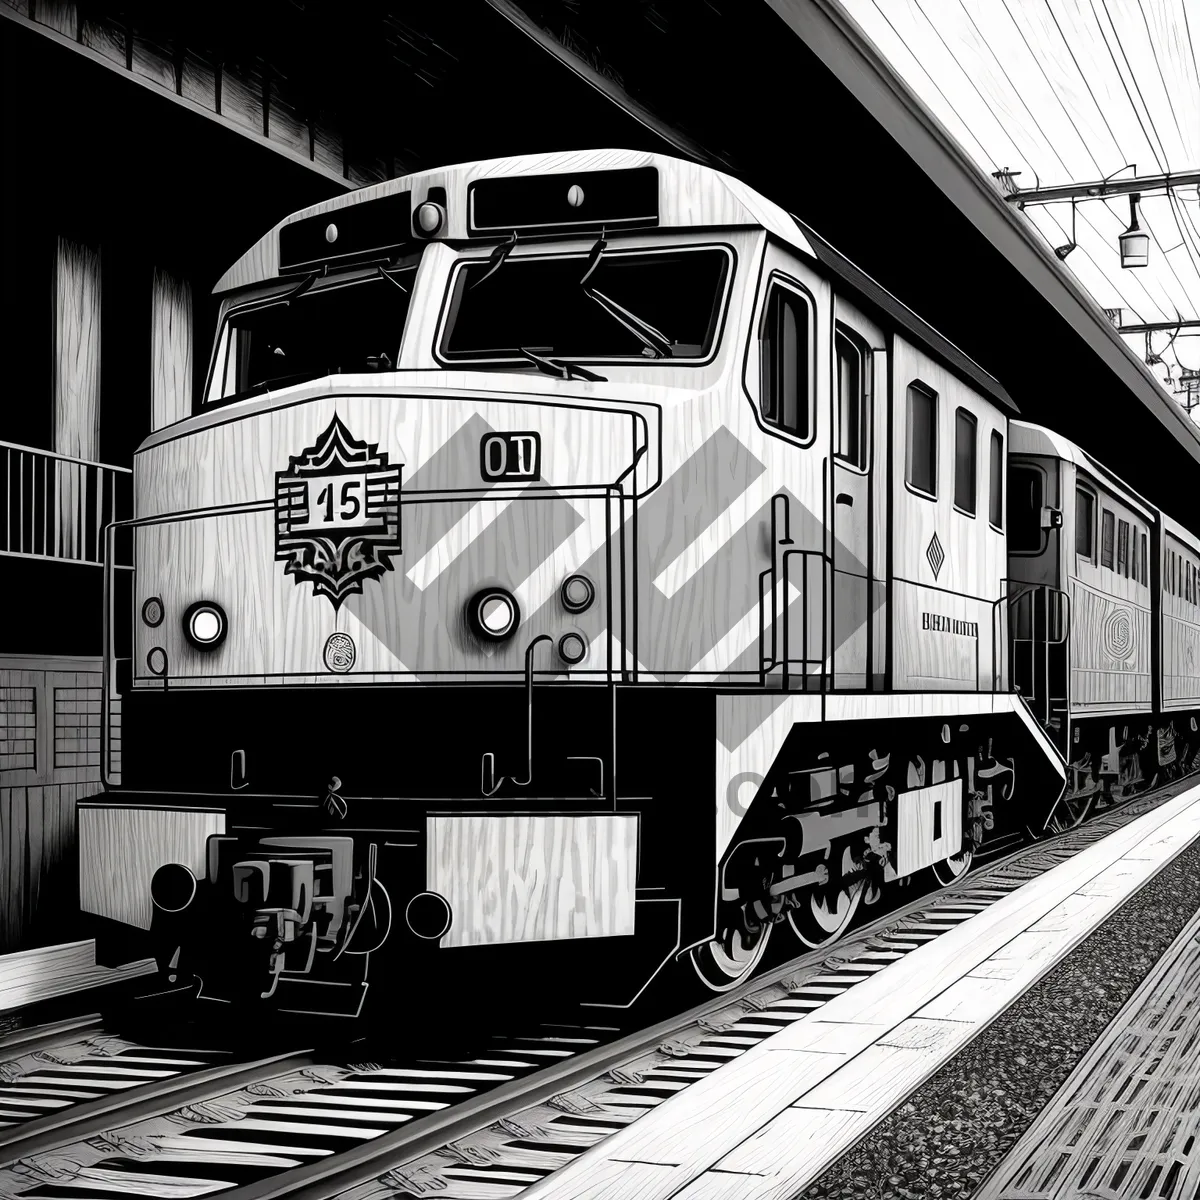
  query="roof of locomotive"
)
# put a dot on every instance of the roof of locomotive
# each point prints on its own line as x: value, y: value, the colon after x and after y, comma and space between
x: 688, y: 195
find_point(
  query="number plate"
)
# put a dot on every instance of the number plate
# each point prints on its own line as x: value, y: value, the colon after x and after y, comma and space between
x: 334, y: 502
x: 337, y: 514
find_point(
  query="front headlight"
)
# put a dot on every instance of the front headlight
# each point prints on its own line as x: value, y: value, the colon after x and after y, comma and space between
x: 205, y: 625
x: 493, y: 614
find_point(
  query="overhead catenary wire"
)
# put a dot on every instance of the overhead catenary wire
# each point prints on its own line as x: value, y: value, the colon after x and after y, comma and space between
x: 1160, y: 153
x: 1181, y: 217
x: 1160, y: 160
x: 1125, y: 302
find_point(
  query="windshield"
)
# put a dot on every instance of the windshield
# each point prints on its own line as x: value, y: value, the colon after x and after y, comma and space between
x: 304, y: 334
x: 669, y: 302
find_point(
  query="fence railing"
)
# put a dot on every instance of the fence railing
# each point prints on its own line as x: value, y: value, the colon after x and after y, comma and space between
x: 56, y: 506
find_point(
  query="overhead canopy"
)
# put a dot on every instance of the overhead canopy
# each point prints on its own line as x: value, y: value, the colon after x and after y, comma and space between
x: 810, y: 114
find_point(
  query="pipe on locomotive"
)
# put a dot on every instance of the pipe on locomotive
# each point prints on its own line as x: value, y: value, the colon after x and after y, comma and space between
x: 490, y: 783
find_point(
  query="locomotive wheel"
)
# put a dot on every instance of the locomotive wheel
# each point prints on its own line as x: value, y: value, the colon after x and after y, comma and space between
x: 730, y: 957
x: 826, y: 912
x: 954, y: 867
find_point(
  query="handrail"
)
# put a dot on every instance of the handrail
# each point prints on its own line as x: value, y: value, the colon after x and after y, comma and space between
x: 83, y: 462
x: 56, y: 506
x: 1062, y: 609
x: 779, y: 572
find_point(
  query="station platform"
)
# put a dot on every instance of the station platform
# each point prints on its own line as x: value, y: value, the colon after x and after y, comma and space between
x: 921, y: 1079
x: 1127, y: 1121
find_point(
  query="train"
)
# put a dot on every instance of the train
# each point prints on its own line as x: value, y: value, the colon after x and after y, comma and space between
x: 576, y: 568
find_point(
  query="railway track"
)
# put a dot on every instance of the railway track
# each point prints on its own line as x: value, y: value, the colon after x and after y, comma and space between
x: 481, y: 1126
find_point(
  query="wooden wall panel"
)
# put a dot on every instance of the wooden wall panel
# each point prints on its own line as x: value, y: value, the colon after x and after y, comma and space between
x: 1181, y: 661
x: 533, y: 878
x: 76, y: 383
x: 39, y: 790
x: 37, y: 858
x: 1110, y: 650
x: 943, y: 641
x: 77, y: 350
x: 120, y: 849
x: 171, y: 349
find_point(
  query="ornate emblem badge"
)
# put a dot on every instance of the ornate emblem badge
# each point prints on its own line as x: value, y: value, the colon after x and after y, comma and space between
x: 337, y: 514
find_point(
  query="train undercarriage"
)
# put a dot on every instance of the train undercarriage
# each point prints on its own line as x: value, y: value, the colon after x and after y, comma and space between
x: 307, y: 902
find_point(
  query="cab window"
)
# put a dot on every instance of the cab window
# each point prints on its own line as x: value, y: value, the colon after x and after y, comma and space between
x: 996, y: 482
x: 1085, y: 524
x: 785, y: 357
x: 852, y: 400
x: 1024, y: 509
x: 312, y: 329
x: 964, y: 461
x: 920, y: 447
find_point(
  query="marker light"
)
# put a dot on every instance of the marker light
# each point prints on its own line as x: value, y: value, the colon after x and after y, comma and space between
x: 493, y: 614
x: 430, y: 217
x: 577, y: 593
x: 331, y: 233
x: 572, y: 648
x: 205, y: 625
x: 152, y: 612
x: 156, y: 661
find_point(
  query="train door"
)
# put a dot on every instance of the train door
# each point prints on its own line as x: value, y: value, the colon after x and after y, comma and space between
x: 857, y: 545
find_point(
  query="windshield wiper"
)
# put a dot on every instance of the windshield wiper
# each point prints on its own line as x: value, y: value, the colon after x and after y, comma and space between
x: 391, y: 278
x: 653, y: 339
x: 560, y: 368
x: 497, y: 259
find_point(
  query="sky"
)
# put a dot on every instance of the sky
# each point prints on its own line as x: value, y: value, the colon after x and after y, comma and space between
x: 1072, y: 91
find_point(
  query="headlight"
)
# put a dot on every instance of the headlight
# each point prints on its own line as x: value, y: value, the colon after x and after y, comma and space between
x: 493, y: 614
x: 205, y: 625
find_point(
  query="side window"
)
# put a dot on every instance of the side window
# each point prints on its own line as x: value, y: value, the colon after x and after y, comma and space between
x: 1145, y: 560
x: 965, y: 426
x: 1123, y: 548
x: 1107, y: 537
x: 852, y: 400
x: 996, y: 482
x: 1024, y: 510
x: 1133, y: 556
x: 920, y: 452
x: 1085, y: 524
x: 786, y: 371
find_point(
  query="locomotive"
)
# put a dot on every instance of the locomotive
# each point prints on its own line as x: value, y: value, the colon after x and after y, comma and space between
x: 574, y: 563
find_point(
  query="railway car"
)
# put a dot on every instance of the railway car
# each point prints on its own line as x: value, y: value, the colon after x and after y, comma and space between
x: 1115, y: 620
x: 573, y: 563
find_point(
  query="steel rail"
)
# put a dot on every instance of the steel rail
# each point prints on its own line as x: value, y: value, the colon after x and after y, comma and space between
x: 334, y: 1175
x: 136, y: 1104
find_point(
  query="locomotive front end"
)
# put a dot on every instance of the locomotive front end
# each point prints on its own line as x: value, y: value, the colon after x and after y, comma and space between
x: 399, y: 508
x: 345, y: 635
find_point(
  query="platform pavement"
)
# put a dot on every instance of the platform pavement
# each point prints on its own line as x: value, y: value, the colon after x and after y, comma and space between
x: 769, y: 1122
x: 1126, y: 1123
x: 30, y: 976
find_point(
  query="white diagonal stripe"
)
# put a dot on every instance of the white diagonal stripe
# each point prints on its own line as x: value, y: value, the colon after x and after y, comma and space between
x: 743, y: 635
x: 708, y: 542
